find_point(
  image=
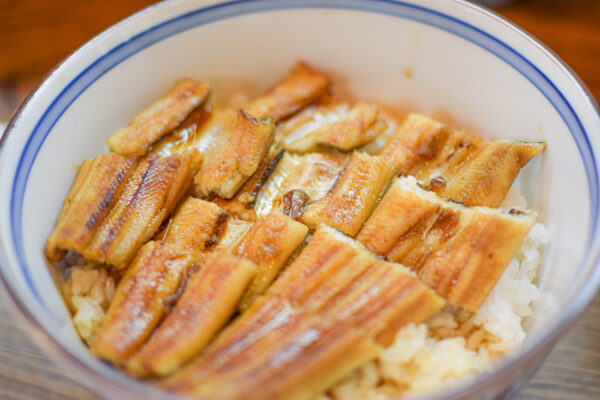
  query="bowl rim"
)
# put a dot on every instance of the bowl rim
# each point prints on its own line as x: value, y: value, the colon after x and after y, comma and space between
x: 574, y: 306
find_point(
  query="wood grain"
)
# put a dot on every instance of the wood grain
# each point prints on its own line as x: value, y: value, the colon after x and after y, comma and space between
x: 35, y: 35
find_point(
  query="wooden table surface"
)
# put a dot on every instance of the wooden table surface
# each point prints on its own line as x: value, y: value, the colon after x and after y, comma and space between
x: 35, y: 35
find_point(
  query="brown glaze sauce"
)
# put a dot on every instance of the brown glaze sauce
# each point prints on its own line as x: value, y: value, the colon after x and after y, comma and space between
x: 294, y: 203
x: 437, y: 184
x: 217, y: 231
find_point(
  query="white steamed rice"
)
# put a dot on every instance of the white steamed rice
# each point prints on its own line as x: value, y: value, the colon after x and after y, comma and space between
x: 88, y: 291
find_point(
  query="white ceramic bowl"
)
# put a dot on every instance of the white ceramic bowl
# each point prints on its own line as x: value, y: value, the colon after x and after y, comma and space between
x: 466, y: 62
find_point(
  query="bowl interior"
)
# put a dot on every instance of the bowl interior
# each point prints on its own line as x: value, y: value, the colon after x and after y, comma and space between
x: 410, y: 57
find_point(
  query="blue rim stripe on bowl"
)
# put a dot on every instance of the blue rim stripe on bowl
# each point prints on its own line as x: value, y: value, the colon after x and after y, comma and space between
x: 241, y: 7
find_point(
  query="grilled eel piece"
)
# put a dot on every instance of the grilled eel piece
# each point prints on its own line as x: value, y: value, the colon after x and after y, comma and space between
x: 242, y: 204
x: 207, y: 303
x: 310, y: 175
x: 239, y: 159
x: 234, y: 232
x: 354, y: 195
x: 418, y: 139
x: 154, y: 277
x: 285, y: 183
x: 316, y: 323
x: 269, y: 243
x: 139, y: 301
x: 158, y: 119
x: 192, y: 137
x: 488, y: 177
x: 301, y: 87
x: 459, y: 251
x: 195, y: 228
x: 470, y: 170
x: 148, y: 197
x: 203, y: 134
x: 97, y: 187
x: 346, y: 130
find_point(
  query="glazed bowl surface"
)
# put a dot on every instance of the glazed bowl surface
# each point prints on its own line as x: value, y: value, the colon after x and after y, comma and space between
x: 446, y: 58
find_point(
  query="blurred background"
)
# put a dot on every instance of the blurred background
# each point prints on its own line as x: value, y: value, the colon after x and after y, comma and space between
x: 37, y: 34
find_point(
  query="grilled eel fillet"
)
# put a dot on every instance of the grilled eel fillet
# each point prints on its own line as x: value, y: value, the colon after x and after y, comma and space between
x: 242, y: 204
x: 97, y: 187
x: 148, y: 197
x: 234, y: 232
x: 311, y: 174
x: 472, y: 171
x: 154, y: 277
x: 350, y: 129
x: 301, y: 87
x: 139, y: 302
x: 459, y: 251
x: 269, y: 243
x: 354, y: 195
x: 158, y: 119
x: 203, y: 134
x: 418, y: 139
x: 208, y: 302
x: 196, y: 227
x: 316, y: 323
x: 187, y: 138
x: 238, y: 160
x: 488, y: 177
